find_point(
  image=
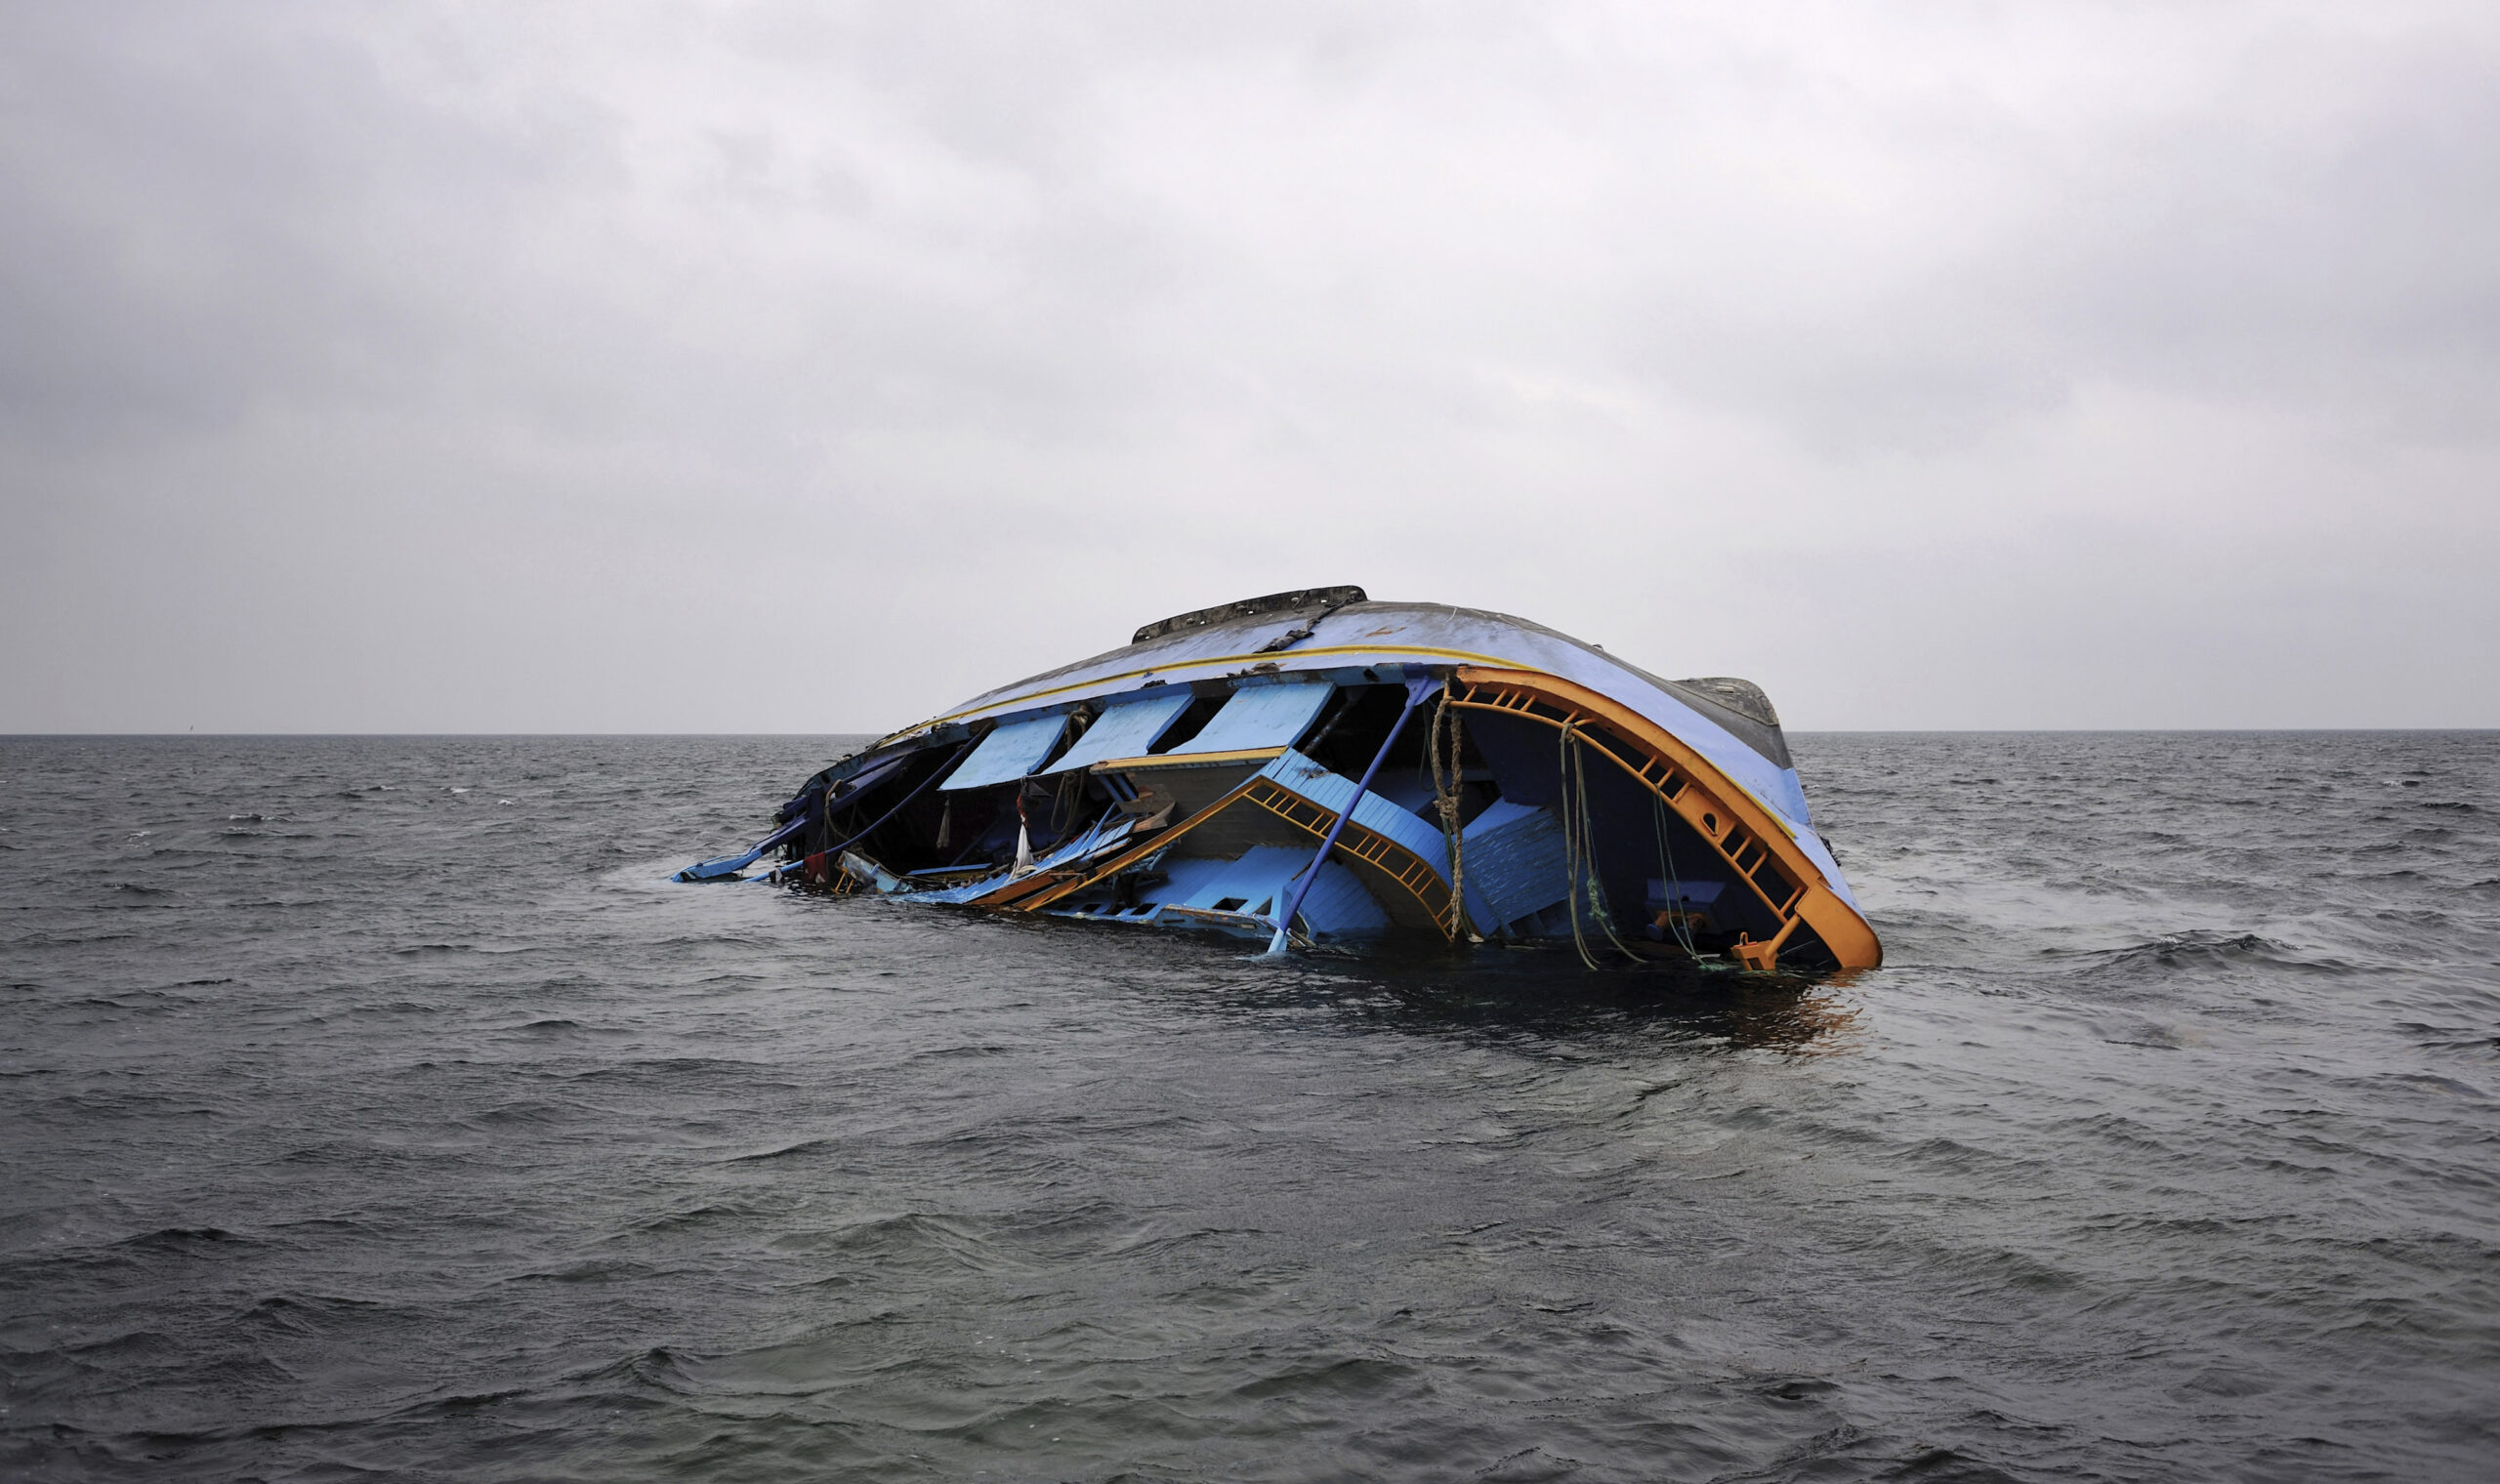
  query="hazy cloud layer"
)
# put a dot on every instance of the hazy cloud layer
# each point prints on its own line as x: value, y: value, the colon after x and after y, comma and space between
x: 807, y: 367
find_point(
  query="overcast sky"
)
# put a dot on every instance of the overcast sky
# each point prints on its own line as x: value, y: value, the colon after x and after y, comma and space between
x: 809, y: 367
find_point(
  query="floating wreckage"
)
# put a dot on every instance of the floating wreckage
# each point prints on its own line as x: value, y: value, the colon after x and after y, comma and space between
x: 1314, y: 767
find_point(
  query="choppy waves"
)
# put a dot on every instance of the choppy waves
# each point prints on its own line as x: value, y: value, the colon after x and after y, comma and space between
x: 374, y: 1107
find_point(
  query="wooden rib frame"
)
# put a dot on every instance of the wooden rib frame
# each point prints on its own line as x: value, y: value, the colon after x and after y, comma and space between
x: 1741, y: 829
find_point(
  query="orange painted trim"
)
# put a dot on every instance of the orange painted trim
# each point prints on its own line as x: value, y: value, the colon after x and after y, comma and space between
x: 1260, y: 754
x: 1717, y: 807
x: 1014, y: 891
x: 1122, y: 860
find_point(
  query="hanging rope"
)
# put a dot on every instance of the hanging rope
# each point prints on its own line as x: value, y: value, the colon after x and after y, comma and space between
x: 1579, y: 850
x: 1596, y: 886
x: 1570, y: 846
x: 1063, y: 812
x: 1675, y: 918
x: 1448, y: 803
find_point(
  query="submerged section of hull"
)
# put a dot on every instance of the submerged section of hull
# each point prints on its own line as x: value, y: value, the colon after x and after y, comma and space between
x: 1319, y: 768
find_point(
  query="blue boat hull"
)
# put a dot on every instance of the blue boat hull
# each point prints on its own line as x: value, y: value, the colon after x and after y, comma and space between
x: 1315, y: 767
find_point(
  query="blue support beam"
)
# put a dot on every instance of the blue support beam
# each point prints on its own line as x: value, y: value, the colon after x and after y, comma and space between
x: 1416, y: 690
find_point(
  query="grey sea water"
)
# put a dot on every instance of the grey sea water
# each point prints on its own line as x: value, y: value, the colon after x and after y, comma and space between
x: 371, y: 1108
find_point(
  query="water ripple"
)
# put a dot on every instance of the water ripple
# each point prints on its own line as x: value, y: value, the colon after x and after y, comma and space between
x: 374, y: 1108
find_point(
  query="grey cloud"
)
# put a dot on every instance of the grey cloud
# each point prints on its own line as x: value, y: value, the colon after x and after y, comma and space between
x: 573, y: 321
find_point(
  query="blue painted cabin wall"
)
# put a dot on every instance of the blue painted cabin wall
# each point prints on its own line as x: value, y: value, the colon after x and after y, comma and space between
x: 1516, y: 860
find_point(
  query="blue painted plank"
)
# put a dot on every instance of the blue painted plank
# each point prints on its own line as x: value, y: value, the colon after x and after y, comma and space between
x: 1262, y: 878
x: 870, y: 777
x: 1259, y: 716
x: 1516, y: 860
x: 1126, y: 729
x: 732, y: 865
x: 1314, y: 781
x: 1094, y: 842
x: 1009, y: 753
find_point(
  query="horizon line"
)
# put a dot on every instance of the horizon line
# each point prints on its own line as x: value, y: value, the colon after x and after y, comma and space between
x: 23, y: 736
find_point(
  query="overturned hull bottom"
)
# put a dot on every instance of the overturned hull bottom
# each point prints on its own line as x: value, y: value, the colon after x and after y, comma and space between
x: 1458, y: 806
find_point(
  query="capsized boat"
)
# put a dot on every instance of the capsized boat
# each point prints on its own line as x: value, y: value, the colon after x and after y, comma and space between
x: 1314, y: 768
